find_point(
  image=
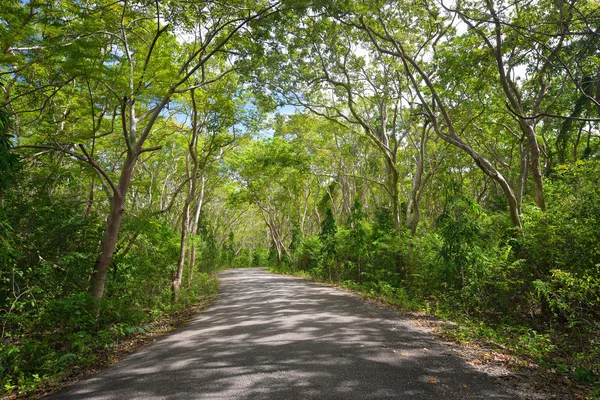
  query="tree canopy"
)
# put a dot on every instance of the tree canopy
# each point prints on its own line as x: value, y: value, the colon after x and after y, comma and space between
x: 441, y: 155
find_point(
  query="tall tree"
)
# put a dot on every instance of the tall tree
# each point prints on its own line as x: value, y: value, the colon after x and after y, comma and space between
x: 386, y: 30
x: 153, y: 63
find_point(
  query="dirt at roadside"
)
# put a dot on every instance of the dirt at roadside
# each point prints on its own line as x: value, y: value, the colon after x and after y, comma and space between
x: 522, y: 378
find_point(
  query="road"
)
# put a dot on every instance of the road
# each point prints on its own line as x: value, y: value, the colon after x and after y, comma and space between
x: 275, y: 337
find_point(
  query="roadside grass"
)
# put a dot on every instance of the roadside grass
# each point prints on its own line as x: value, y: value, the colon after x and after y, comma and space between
x: 36, y: 363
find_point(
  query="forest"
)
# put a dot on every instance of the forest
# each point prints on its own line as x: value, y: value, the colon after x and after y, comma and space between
x: 442, y: 156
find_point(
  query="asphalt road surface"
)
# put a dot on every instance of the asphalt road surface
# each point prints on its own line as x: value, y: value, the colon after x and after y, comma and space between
x: 274, y: 337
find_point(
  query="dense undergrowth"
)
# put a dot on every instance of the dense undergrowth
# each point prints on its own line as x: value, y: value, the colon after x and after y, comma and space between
x: 51, y: 328
x: 535, y: 293
x: 71, y: 334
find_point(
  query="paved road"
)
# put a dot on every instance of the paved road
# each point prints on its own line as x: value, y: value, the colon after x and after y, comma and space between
x: 275, y: 337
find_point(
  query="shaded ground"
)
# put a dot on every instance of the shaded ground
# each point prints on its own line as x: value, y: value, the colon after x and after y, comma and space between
x: 274, y: 337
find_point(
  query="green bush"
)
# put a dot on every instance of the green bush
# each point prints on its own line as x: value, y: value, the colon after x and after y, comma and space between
x: 243, y: 259
x: 561, y: 246
x: 259, y: 257
x: 309, y: 253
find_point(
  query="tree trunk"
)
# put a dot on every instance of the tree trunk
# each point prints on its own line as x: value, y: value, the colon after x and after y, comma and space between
x: 193, y: 179
x: 523, y: 172
x: 391, y: 170
x: 392, y: 173
x: 113, y: 226
x: 194, y: 230
x: 88, y: 209
x: 413, y: 211
x: 177, y: 278
x: 483, y: 163
x: 486, y: 166
x: 536, y: 171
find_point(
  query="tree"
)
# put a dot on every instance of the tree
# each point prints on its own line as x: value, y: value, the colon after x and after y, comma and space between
x: 213, y: 114
x: 390, y: 37
x: 136, y: 44
x: 325, y: 74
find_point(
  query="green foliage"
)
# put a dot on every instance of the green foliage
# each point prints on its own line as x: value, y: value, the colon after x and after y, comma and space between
x: 67, y: 336
x: 242, y: 260
x: 309, y: 254
x: 50, y: 324
x: 212, y: 256
x: 259, y: 257
x: 537, y: 293
x: 573, y: 298
x: 296, y: 242
x: 561, y: 246
x: 387, y: 250
x: 318, y: 188
x: 9, y: 161
x: 354, y: 243
x: 461, y: 257
x: 327, y: 235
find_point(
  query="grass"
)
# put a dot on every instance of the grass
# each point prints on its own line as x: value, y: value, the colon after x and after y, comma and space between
x: 35, y: 363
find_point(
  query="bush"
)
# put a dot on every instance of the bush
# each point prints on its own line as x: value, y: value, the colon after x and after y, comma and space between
x: 260, y: 257
x: 309, y: 253
x: 561, y: 246
x: 243, y: 260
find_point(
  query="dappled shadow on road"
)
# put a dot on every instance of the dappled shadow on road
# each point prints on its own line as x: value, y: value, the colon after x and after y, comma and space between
x: 275, y: 337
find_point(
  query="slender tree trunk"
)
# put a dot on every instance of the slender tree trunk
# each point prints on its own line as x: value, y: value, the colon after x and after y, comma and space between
x: 275, y: 233
x: 514, y: 98
x: 185, y: 223
x: 483, y: 163
x: 486, y: 166
x: 536, y: 170
x: 393, y: 177
x: 278, y: 248
x: 185, y: 218
x: 194, y: 230
x: 391, y: 169
x: 413, y: 210
x: 113, y: 226
x: 177, y: 278
x: 523, y: 172
x: 88, y: 210
x: 578, y: 138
